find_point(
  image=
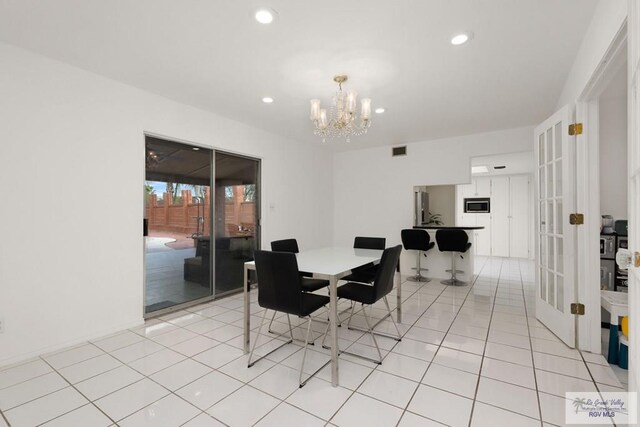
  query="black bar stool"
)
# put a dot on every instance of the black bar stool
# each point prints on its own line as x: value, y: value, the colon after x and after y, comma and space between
x: 417, y: 240
x: 456, y: 242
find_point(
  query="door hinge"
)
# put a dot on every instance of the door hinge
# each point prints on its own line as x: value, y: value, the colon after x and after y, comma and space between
x: 575, y: 129
x: 576, y: 219
x: 577, y: 308
x: 636, y: 259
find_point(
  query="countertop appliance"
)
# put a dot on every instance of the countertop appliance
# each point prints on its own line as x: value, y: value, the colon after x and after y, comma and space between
x: 606, y: 226
x: 420, y: 205
x: 622, y: 276
x: 477, y: 205
x: 607, y: 261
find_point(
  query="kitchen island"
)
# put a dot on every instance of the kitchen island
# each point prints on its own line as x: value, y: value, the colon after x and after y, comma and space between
x: 438, y: 262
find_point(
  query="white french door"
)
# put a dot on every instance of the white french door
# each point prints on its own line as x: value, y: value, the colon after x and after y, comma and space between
x: 634, y: 191
x: 555, y: 238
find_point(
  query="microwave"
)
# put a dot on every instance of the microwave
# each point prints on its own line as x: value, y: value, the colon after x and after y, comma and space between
x: 477, y: 205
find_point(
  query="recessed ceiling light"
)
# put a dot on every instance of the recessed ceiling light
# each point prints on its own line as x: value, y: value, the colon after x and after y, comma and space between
x: 380, y: 110
x: 267, y: 100
x: 479, y: 169
x: 459, y: 39
x: 195, y: 148
x: 265, y: 15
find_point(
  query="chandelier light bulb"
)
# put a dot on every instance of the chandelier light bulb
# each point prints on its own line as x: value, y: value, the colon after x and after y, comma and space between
x: 341, y: 120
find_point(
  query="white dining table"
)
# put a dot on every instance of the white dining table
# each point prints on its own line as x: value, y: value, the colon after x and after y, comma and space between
x: 332, y: 263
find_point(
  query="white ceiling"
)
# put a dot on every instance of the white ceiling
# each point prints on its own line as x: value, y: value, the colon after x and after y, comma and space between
x: 213, y: 55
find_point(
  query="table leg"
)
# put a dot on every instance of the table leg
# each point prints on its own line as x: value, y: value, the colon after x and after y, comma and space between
x: 613, y: 341
x: 333, y: 321
x: 247, y: 316
x: 399, y: 298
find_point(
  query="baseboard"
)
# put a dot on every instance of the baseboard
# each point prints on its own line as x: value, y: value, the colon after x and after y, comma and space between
x: 25, y: 357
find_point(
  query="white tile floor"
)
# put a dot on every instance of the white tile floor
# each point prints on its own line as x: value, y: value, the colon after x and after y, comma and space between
x: 471, y: 355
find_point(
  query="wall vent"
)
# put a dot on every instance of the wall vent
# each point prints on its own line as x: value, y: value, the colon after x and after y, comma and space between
x: 399, y: 151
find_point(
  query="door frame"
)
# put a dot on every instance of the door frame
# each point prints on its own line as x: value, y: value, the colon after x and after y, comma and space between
x: 259, y: 197
x: 588, y: 193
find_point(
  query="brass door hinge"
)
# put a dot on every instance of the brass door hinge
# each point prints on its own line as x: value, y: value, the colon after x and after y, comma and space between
x: 577, y: 308
x: 575, y: 129
x: 636, y: 259
x: 576, y: 219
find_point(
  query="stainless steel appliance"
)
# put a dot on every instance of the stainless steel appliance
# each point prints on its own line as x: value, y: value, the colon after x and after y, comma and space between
x: 477, y: 205
x: 607, y: 246
x: 607, y: 261
x: 607, y: 274
x: 622, y: 276
x: 606, y: 226
x: 420, y: 205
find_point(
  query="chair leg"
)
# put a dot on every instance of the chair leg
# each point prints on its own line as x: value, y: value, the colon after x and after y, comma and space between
x: 366, y: 318
x: 353, y: 307
x: 304, y: 355
x: 253, y: 347
x: 386, y: 302
x: 271, y: 323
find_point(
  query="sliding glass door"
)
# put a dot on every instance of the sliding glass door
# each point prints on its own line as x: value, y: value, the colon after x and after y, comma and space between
x: 236, y: 218
x: 183, y: 264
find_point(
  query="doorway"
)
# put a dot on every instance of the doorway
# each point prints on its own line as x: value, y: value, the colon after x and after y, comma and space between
x: 201, y: 223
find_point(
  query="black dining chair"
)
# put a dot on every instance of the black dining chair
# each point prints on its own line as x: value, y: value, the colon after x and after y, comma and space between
x: 309, y: 284
x: 369, y: 295
x: 365, y: 273
x: 280, y: 289
x: 285, y: 245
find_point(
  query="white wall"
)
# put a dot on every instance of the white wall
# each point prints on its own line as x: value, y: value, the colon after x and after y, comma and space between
x: 442, y: 200
x: 613, y: 156
x: 373, y: 191
x: 607, y: 19
x: 72, y: 167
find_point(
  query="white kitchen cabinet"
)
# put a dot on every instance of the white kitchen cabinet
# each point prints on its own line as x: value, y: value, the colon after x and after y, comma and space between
x: 500, y: 230
x: 506, y: 230
x: 483, y: 237
x: 483, y: 187
x: 519, y: 216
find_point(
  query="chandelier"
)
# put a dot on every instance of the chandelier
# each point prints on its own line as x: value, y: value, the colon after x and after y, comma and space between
x: 341, y: 120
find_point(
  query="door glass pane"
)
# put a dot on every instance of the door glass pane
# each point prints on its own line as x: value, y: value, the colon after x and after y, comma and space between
x: 550, y: 254
x: 543, y: 181
x: 543, y: 284
x: 541, y: 158
x: 559, y: 255
x: 543, y: 218
x: 558, y: 139
x: 558, y: 177
x: 236, y: 214
x: 559, y: 216
x: 549, y: 148
x: 543, y: 251
x: 177, y: 216
x: 552, y: 289
x: 550, y: 190
x: 560, y: 290
x: 550, y: 217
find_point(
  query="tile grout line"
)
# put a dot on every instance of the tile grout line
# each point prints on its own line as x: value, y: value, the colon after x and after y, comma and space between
x: 443, y: 338
x: 80, y: 393
x: 484, y: 348
x: 533, y: 359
